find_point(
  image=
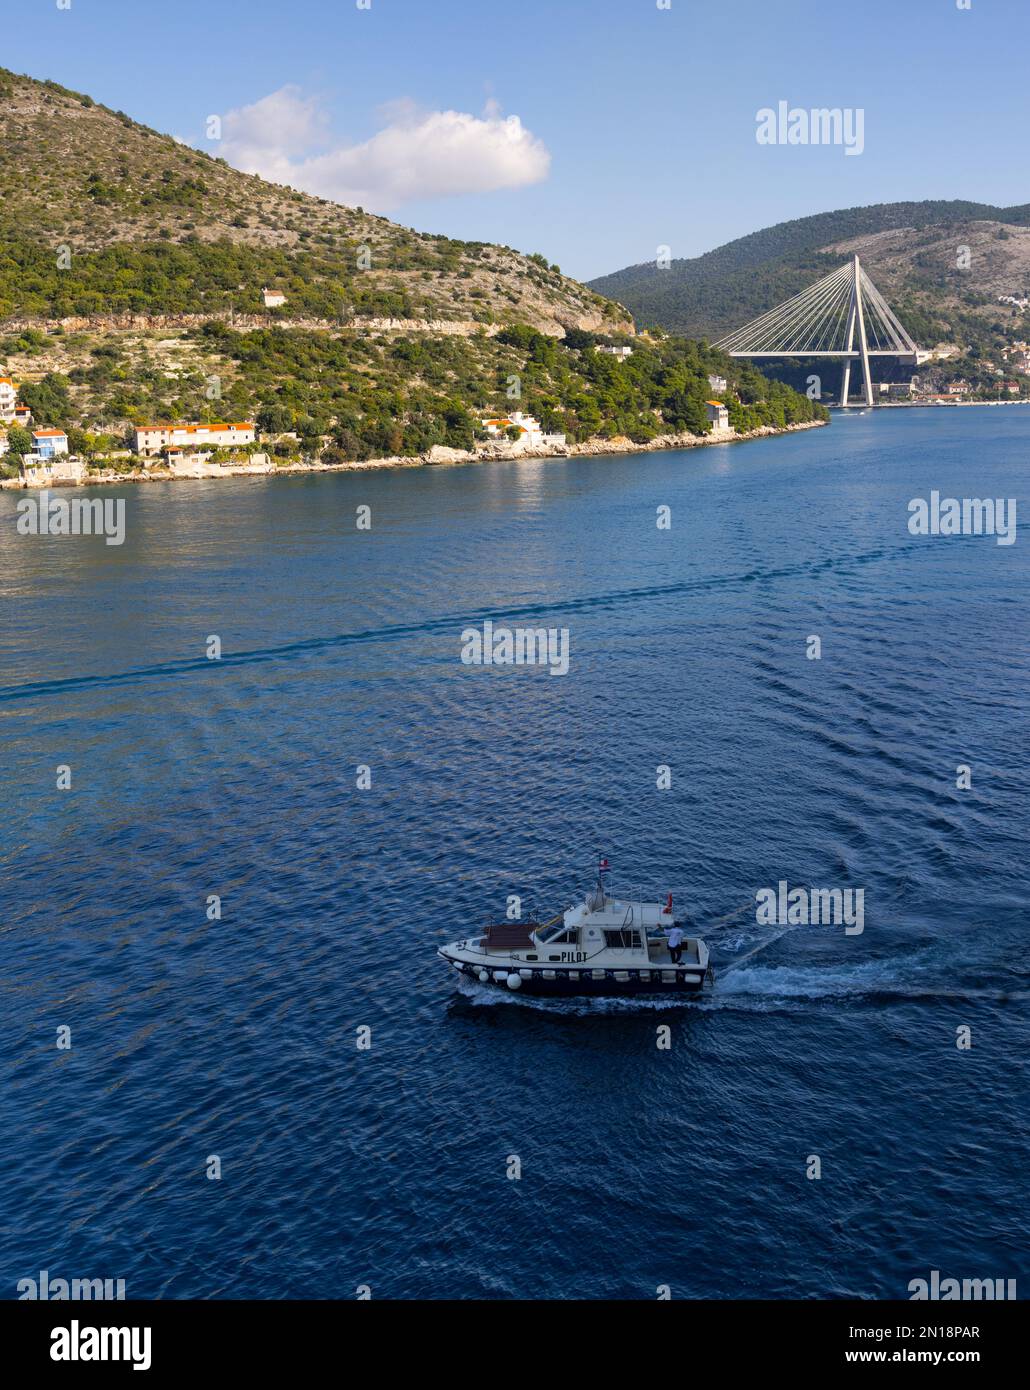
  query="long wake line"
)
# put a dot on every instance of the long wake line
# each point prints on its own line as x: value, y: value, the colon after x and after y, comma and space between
x: 449, y: 623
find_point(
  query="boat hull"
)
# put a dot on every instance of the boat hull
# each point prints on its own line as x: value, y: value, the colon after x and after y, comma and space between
x: 568, y: 983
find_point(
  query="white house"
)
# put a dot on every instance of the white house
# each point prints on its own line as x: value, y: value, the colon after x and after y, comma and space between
x: 273, y: 298
x: 152, y: 439
x: 718, y: 415
x: 8, y: 397
x: 4, y: 445
x: 47, y: 443
x: 718, y: 385
x: 530, y: 431
x: 620, y: 352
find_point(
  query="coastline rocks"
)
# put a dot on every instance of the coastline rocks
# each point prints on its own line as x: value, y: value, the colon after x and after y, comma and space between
x: 440, y: 453
x: 494, y: 451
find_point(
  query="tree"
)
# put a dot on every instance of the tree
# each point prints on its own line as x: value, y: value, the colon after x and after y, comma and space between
x: 48, y: 399
x: 19, y: 441
x: 274, y: 419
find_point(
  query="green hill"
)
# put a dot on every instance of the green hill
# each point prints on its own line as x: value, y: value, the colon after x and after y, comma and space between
x: 131, y: 278
x: 154, y: 226
x: 910, y: 250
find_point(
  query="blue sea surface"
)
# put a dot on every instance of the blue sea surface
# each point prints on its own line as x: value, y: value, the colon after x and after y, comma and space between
x: 388, y: 1166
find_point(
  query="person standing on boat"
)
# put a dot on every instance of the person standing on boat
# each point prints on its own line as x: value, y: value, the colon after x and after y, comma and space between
x: 676, y: 943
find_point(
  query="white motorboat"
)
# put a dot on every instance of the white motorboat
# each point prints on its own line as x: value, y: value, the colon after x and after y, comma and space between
x: 603, y: 946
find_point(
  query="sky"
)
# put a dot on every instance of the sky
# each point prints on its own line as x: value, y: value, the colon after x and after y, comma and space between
x: 592, y: 131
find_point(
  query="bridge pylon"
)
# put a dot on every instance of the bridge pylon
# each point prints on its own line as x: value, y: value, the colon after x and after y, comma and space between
x: 822, y: 322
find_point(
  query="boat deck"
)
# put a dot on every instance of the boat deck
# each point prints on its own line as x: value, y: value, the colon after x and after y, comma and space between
x: 658, y: 953
x: 509, y: 936
x: 516, y: 936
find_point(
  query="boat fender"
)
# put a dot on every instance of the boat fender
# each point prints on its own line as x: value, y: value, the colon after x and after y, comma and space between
x: 500, y: 976
x: 514, y: 981
x: 483, y: 976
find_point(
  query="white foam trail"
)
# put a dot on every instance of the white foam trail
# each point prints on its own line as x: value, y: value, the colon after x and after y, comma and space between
x: 479, y: 994
x: 808, y: 982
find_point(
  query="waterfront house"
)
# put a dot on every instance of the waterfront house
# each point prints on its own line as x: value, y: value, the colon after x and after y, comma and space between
x: 1012, y: 387
x: 4, y: 445
x: 273, y: 298
x: 496, y: 425
x: 8, y: 398
x: 22, y: 416
x: 718, y: 415
x: 48, y: 443
x: 530, y: 431
x: 52, y: 468
x: 151, y: 440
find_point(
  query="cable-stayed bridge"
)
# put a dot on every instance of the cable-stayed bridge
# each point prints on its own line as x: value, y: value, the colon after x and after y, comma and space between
x: 823, y: 321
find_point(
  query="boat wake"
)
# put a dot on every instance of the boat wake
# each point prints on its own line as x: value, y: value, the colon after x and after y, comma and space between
x: 455, y: 622
x: 763, y: 988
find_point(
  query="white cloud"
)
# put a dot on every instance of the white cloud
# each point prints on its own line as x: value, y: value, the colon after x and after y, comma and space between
x: 417, y: 154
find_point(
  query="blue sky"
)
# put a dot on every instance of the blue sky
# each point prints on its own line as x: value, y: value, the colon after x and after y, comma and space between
x: 637, y: 124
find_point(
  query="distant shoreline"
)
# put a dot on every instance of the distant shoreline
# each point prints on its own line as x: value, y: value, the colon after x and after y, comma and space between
x: 436, y: 458
x: 927, y: 405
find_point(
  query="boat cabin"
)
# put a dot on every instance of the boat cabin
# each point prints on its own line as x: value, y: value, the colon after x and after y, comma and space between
x: 630, y: 933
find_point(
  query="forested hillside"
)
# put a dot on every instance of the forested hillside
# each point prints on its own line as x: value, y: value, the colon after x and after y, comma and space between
x: 910, y: 249
x: 132, y: 271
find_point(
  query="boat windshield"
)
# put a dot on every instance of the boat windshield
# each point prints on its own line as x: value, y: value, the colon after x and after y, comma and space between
x: 560, y: 932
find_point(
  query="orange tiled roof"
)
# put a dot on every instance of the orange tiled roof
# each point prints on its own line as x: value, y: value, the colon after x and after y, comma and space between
x: 48, y: 434
x: 190, y: 429
x: 720, y: 404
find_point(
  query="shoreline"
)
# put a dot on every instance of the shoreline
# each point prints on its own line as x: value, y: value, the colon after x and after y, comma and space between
x: 438, y: 456
x: 927, y: 405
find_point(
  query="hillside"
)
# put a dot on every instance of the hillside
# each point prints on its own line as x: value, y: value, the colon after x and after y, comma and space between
x: 909, y: 249
x: 131, y: 277
x: 154, y: 226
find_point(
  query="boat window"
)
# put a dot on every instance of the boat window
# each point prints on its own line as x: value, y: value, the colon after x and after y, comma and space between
x: 622, y: 940
x: 560, y: 934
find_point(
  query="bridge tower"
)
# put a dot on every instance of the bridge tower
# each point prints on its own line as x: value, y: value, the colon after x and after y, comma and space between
x: 822, y: 322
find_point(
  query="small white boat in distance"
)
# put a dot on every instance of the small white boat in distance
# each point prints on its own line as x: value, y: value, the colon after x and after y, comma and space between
x: 603, y: 946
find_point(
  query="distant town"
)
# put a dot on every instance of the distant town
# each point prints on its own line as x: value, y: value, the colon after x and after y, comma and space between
x: 1003, y: 377
x: 41, y: 455
x: 196, y: 448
